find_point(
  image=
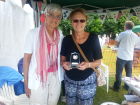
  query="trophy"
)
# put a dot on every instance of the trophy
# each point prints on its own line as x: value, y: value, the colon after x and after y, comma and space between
x: 74, y: 60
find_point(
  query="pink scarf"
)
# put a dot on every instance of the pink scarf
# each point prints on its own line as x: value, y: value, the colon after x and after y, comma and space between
x: 47, y: 53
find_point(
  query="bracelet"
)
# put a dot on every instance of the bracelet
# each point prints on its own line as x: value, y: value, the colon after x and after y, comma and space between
x: 89, y: 65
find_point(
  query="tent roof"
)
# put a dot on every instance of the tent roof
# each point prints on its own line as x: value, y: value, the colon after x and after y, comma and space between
x: 97, y: 4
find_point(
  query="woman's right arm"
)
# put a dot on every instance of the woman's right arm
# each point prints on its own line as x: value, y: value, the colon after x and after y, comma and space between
x: 26, y: 63
x: 64, y: 63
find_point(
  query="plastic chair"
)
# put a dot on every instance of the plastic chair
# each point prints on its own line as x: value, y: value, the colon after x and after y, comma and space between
x: 7, y: 96
x: 4, y: 101
x: 8, y: 77
x: 106, y: 71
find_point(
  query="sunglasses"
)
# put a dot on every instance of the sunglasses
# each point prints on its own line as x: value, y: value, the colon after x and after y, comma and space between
x: 77, y: 21
x: 56, y: 17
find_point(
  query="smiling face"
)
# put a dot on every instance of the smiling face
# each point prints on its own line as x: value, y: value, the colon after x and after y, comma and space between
x: 78, y: 22
x: 53, y: 19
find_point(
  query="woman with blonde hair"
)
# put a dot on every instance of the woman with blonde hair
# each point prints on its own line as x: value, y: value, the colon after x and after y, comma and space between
x: 80, y: 79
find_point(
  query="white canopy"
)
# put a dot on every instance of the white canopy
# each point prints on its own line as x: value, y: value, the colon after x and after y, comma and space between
x: 15, y: 22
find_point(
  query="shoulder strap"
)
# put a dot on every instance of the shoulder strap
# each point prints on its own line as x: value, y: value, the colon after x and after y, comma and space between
x: 80, y: 50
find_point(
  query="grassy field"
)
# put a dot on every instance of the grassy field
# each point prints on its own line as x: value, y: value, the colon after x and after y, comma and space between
x: 109, y: 58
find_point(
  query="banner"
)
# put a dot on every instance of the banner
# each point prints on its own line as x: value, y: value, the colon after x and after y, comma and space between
x: 65, y: 13
x: 137, y: 10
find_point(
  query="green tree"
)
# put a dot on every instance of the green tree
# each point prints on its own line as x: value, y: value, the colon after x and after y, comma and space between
x: 120, y: 23
x: 110, y: 27
x: 65, y: 26
x: 94, y: 24
x: 135, y: 19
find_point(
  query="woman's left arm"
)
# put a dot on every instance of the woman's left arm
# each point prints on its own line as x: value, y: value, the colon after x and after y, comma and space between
x: 96, y: 57
x: 93, y: 65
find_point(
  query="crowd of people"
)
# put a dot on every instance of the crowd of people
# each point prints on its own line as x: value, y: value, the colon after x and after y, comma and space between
x: 47, y: 59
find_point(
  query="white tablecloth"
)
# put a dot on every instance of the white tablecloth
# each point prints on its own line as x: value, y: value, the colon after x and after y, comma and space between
x: 133, y: 84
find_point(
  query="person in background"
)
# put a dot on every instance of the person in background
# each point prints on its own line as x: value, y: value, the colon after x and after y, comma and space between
x: 126, y: 42
x: 80, y: 82
x: 42, y: 73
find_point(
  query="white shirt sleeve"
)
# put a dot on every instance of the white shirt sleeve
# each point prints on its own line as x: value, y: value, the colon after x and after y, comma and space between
x: 119, y: 37
x: 28, y: 46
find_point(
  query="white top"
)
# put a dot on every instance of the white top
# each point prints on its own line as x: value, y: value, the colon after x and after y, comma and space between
x: 127, y: 41
x: 102, y: 41
x: 30, y: 48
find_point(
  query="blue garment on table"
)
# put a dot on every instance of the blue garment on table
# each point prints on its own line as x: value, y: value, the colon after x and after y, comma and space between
x: 9, y: 75
x: 20, y: 66
x: 19, y: 88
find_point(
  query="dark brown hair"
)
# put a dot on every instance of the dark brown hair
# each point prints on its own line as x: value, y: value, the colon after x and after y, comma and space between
x: 78, y: 10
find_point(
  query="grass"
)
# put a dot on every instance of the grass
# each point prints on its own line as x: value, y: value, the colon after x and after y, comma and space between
x: 109, y: 58
x: 111, y: 96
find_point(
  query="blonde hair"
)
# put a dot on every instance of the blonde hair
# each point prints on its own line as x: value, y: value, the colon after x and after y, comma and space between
x: 129, y: 24
x: 80, y: 10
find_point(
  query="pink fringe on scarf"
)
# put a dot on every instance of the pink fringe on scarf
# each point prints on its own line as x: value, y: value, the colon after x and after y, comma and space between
x: 47, y: 53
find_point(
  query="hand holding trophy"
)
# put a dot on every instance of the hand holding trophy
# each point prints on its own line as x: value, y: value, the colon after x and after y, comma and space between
x: 74, y: 60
